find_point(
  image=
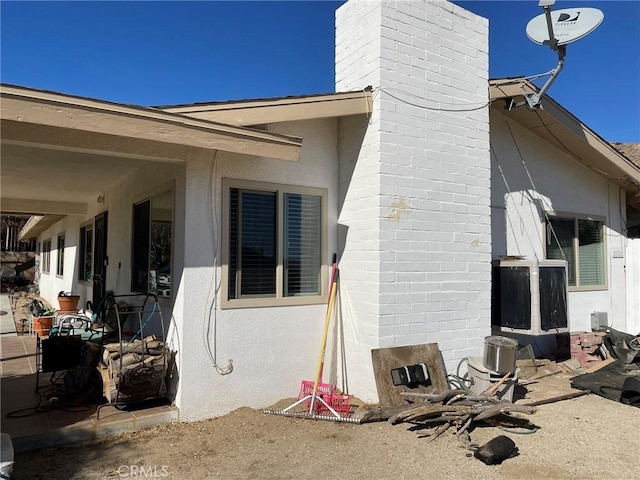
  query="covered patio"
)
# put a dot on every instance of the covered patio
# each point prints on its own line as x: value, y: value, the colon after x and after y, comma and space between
x: 32, y: 421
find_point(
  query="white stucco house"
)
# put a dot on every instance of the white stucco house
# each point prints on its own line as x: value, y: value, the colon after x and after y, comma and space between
x: 414, y: 175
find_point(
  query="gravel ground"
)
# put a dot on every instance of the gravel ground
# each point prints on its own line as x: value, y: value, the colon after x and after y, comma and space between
x: 584, y: 438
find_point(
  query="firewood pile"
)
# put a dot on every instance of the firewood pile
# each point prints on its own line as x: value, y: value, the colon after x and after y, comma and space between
x: 434, y: 414
x: 134, y: 370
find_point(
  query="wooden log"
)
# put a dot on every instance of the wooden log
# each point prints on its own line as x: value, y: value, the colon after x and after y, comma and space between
x: 434, y: 397
x: 439, y: 431
x: 494, y: 410
x: 559, y: 398
x: 421, y: 412
x: 380, y: 414
x: 492, y: 389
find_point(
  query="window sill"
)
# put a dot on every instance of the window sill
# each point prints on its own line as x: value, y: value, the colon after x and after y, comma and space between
x: 272, y: 302
x: 590, y: 288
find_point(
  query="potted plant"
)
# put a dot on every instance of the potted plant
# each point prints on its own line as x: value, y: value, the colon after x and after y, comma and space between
x: 68, y: 302
x: 43, y: 321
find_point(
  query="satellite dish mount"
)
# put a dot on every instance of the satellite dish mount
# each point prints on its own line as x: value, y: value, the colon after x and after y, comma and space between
x: 556, y: 30
x: 534, y: 99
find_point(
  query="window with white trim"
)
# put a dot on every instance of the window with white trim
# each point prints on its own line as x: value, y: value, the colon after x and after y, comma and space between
x: 46, y: 255
x: 274, y: 244
x: 579, y: 241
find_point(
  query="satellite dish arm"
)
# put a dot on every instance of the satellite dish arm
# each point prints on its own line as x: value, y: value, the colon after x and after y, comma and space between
x: 534, y: 99
x: 552, y: 42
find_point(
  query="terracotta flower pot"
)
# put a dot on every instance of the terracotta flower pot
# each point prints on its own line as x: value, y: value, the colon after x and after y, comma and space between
x: 42, y: 325
x: 69, y: 303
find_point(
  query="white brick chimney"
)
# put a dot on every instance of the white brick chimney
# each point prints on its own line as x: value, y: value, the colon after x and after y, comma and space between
x: 415, y: 181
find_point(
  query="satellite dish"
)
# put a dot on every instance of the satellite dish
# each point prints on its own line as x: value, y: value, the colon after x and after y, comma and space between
x: 569, y: 25
x: 556, y: 29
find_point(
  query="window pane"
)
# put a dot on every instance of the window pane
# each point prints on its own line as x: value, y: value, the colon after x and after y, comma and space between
x: 252, y: 267
x: 160, y: 244
x: 86, y: 259
x: 88, y: 254
x: 60, y: 266
x: 46, y: 255
x: 560, y: 235
x: 591, y: 252
x: 302, y: 249
x: 140, y: 263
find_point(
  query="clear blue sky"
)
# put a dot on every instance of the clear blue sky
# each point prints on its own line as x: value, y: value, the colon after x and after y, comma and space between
x: 158, y: 53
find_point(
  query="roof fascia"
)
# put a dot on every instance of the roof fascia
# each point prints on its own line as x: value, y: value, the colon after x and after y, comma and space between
x: 515, y: 88
x: 260, y: 112
x: 26, y: 206
x: 53, y: 109
x: 38, y: 224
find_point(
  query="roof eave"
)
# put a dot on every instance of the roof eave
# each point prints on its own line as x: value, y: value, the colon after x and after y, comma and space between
x: 563, y: 124
x: 27, y: 106
x: 286, y: 109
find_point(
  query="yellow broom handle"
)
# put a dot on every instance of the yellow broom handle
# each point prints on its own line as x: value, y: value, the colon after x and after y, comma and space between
x: 324, y: 336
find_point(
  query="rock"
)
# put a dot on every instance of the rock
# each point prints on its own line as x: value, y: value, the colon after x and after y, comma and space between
x: 496, y: 450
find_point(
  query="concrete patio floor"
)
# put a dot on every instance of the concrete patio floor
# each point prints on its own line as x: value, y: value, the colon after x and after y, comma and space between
x: 46, y: 426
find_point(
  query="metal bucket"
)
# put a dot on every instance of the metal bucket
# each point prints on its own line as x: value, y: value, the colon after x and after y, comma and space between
x: 500, y: 354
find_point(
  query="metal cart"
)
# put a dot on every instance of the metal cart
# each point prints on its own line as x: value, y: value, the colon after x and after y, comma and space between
x: 135, y: 365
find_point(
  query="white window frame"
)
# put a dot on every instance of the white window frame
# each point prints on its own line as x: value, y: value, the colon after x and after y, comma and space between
x: 575, y: 217
x: 279, y: 299
x: 46, y: 256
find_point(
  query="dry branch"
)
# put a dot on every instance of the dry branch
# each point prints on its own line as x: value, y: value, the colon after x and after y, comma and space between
x: 453, y: 408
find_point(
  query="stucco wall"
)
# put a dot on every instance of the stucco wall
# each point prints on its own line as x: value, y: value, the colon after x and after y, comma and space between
x: 273, y: 348
x: 548, y: 179
x: 416, y: 201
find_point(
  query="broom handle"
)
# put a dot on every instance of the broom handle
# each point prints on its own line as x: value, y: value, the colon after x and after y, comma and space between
x: 324, y: 335
x: 334, y: 284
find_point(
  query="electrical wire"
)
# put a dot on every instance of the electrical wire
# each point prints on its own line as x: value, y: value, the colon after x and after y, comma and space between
x: 435, y: 109
x: 535, y: 189
x: 209, y: 324
x: 506, y: 183
x: 55, y: 395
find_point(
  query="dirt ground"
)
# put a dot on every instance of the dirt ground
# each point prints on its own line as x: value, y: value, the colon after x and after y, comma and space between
x: 584, y: 438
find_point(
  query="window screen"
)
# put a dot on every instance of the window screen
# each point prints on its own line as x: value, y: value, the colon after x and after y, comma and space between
x: 253, y: 243
x: 302, y: 244
x: 275, y: 243
x: 581, y: 243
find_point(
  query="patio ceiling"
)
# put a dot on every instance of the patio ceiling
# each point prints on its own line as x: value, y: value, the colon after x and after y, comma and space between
x: 60, y: 152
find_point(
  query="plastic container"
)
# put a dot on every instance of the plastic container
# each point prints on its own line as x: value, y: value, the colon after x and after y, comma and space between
x: 323, y: 389
x: 482, y: 378
x: 340, y: 403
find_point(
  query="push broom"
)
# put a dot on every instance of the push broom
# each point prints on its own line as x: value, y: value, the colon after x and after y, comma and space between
x: 314, y: 397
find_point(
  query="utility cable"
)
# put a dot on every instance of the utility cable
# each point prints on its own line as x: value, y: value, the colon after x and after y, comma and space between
x: 541, y: 197
x: 209, y: 324
x: 506, y: 183
x: 435, y: 109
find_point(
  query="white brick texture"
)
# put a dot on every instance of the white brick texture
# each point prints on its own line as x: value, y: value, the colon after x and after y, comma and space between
x: 415, y: 184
